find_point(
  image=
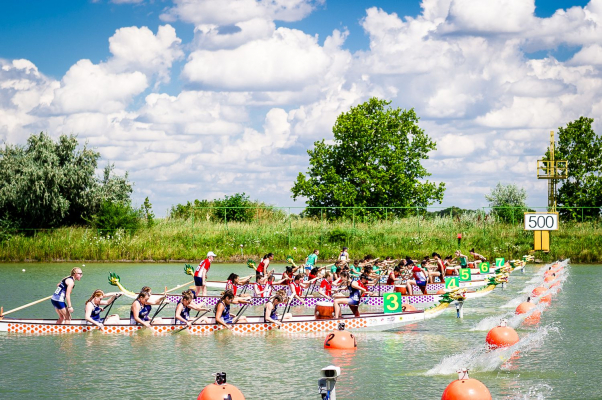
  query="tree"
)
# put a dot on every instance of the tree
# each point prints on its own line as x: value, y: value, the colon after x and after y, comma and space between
x: 46, y: 184
x: 112, y: 216
x: 234, y: 208
x: 375, y: 161
x: 582, y: 148
x: 147, y: 213
x: 508, y: 202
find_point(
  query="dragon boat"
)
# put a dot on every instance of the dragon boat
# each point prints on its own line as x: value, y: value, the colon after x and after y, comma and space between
x: 377, y: 321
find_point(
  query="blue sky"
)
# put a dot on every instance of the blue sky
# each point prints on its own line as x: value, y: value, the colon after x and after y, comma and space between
x: 234, y: 106
x: 56, y: 34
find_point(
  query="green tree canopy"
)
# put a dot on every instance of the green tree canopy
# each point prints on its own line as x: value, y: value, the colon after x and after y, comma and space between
x: 509, y: 202
x: 375, y: 161
x: 46, y: 184
x: 582, y: 148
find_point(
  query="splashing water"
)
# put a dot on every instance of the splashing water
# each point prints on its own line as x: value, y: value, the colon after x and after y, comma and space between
x: 481, y: 359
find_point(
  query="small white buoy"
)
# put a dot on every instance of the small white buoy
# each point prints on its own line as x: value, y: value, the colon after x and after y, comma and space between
x: 294, y: 248
x: 83, y: 265
x: 23, y: 270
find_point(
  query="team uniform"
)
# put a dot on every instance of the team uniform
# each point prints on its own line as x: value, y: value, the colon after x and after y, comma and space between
x: 419, y: 276
x: 231, y: 286
x: 226, y: 317
x: 344, y: 256
x: 263, y: 289
x: 58, y: 298
x: 298, y: 289
x: 273, y: 315
x: 355, y: 294
x: 262, y: 268
x: 311, y: 261
x: 206, y: 264
x: 327, y: 286
x: 142, y: 314
x: 185, y: 313
x: 95, y: 314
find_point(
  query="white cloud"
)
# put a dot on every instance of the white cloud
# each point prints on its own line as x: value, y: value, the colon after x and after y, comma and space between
x: 228, y: 12
x: 138, y: 49
x: 288, y: 60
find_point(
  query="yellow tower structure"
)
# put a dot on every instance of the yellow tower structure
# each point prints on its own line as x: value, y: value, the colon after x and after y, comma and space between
x: 553, y: 170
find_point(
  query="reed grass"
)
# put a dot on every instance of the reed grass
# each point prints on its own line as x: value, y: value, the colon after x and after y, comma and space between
x: 190, y: 240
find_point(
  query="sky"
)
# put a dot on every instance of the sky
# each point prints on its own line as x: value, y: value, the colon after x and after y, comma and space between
x: 197, y: 99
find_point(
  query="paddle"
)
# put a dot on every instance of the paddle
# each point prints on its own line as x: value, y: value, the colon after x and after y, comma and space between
x: 288, y: 306
x: 240, y: 313
x: 111, y: 305
x: 193, y: 322
x: 161, y: 307
x: 2, y: 314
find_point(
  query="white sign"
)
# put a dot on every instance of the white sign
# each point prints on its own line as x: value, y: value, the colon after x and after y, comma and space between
x: 541, y: 221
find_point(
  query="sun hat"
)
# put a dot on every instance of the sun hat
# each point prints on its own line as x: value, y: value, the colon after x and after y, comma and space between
x: 211, y: 254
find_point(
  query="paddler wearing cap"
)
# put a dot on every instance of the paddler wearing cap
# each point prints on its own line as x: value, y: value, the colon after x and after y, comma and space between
x: 200, y: 274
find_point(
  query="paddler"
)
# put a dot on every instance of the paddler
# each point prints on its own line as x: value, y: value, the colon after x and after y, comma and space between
x: 140, y: 310
x: 263, y: 287
x: 200, y: 274
x: 311, y: 260
x: 461, y: 259
x: 92, y: 309
x: 477, y: 257
x: 420, y: 278
x: 296, y: 287
x: 183, y: 308
x: 222, y: 310
x: 394, y: 276
x: 61, y: 299
x: 262, y: 268
x: 357, y: 289
x: 234, y: 281
x: 326, y: 286
x: 270, y: 313
x: 439, y: 263
x: 344, y: 256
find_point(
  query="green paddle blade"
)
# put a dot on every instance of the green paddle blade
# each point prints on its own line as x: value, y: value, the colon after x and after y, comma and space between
x: 113, y: 278
x: 188, y: 269
x: 251, y: 263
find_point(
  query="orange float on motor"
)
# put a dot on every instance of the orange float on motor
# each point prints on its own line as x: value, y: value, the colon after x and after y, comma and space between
x: 466, y: 388
x: 408, y: 307
x: 538, y: 291
x: 220, y: 390
x: 501, y: 336
x: 340, y: 339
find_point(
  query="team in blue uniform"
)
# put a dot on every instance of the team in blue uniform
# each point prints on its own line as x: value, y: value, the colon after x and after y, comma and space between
x: 93, y: 309
x: 222, y: 309
x: 184, y: 306
x: 61, y: 298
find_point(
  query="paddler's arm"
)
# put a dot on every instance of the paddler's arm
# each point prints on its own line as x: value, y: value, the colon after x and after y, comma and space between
x: 136, y: 312
x: 179, y: 317
x: 218, y: 316
x: 268, y: 311
x: 88, y: 316
x: 69, y: 284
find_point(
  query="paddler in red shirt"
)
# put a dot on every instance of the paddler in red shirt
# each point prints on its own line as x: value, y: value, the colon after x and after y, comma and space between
x: 200, y: 274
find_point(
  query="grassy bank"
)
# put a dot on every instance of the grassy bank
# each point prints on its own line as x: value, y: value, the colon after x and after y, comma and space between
x: 414, y: 236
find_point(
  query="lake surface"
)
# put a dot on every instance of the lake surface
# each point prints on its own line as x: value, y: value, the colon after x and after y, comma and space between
x: 559, y: 358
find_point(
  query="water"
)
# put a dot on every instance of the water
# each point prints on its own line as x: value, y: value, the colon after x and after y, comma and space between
x: 556, y: 359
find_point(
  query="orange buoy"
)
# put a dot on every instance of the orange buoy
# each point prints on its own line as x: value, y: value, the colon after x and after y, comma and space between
x: 524, y: 308
x: 549, y: 278
x: 553, y: 285
x: 220, y: 390
x: 546, y: 299
x: 340, y: 339
x: 441, y: 291
x: 538, y: 291
x: 502, y: 336
x: 408, y: 307
x: 466, y: 388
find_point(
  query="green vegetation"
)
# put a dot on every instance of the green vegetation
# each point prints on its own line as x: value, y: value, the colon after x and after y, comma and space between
x: 509, y: 202
x: 582, y: 148
x: 374, y: 162
x: 46, y: 184
x: 176, y: 239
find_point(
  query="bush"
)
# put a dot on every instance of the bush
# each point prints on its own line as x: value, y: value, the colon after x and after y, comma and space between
x: 113, y: 216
